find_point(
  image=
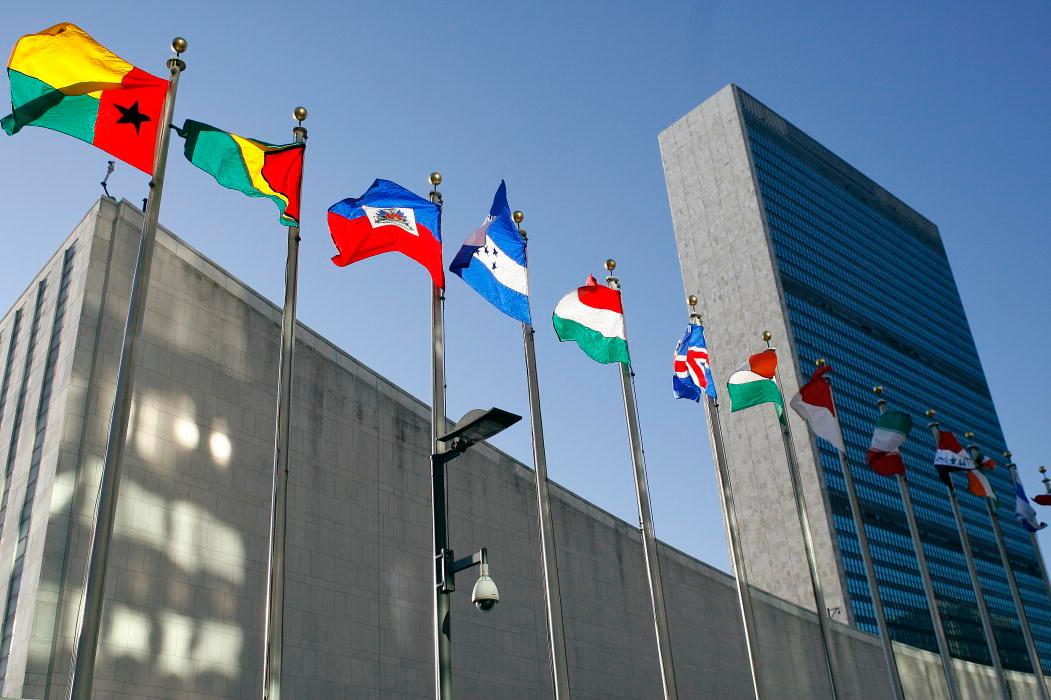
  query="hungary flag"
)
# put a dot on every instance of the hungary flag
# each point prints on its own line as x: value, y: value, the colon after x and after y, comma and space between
x: 593, y: 317
x: 62, y: 79
x: 256, y: 168
x: 891, y: 430
x: 753, y: 383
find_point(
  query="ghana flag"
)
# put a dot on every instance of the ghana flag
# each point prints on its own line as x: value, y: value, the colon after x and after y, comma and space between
x: 62, y: 79
x: 256, y: 168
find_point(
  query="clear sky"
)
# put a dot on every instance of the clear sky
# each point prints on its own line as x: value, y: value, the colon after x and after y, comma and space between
x: 945, y: 104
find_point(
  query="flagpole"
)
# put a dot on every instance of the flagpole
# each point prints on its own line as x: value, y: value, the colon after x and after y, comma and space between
x: 1032, y: 535
x: 1012, y: 582
x: 649, y: 540
x: 808, y: 540
x: 275, y: 608
x: 722, y: 470
x: 866, y: 558
x: 925, y: 575
x: 552, y: 594
x: 972, y: 570
x: 90, y: 618
x: 442, y: 639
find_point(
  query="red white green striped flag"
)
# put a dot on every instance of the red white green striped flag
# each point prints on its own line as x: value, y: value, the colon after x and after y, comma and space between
x: 753, y: 383
x: 883, y: 456
x: 593, y: 318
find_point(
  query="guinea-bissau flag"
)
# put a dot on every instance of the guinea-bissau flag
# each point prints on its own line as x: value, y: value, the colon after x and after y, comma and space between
x: 62, y: 79
x: 256, y: 168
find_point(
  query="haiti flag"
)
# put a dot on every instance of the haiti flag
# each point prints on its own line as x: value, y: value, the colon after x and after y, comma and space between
x: 388, y: 218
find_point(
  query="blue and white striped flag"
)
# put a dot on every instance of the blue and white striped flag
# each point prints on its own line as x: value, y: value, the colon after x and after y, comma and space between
x: 493, y: 261
x: 1024, y: 512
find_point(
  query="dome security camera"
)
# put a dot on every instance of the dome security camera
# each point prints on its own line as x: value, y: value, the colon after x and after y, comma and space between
x: 485, y: 595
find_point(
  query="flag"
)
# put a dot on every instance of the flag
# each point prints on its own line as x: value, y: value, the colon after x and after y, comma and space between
x: 492, y: 261
x: 814, y: 404
x: 693, y: 374
x: 388, y: 218
x: 1024, y: 512
x: 753, y: 383
x: 256, y: 168
x: 951, y: 457
x: 592, y: 317
x: 883, y: 456
x: 978, y: 484
x: 62, y: 79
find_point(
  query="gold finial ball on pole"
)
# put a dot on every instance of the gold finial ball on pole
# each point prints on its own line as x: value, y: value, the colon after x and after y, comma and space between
x: 517, y: 216
x: 1043, y: 470
x: 767, y: 335
x: 299, y: 114
x: 435, y: 178
x: 820, y: 362
x: 179, y: 45
x: 611, y: 264
x: 692, y: 300
x: 969, y: 435
x: 877, y: 390
x: 930, y: 413
x: 1007, y: 454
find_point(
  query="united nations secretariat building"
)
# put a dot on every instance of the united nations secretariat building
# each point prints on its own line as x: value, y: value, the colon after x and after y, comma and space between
x: 185, y: 597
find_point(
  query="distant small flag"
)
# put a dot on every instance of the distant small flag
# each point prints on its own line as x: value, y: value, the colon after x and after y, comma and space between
x: 492, y: 261
x: 1043, y: 499
x: 978, y: 484
x: 883, y: 455
x: 951, y: 457
x: 1024, y: 512
x: 388, y: 218
x: 814, y: 404
x: 693, y: 374
x: 753, y: 383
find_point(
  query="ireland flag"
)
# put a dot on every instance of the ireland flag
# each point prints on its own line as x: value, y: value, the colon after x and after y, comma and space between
x: 753, y: 383
x: 593, y: 317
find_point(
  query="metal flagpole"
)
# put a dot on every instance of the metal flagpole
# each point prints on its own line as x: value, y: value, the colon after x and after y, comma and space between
x: 275, y: 608
x: 1012, y: 581
x: 1032, y: 535
x: 556, y: 632
x: 442, y: 640
x: 866, y: 558
x: 649, y: 540
x: 925, y: 575
x: 90, y: 618
x: 808, y: 540
x: 722, y: 470
x: 972, y: 570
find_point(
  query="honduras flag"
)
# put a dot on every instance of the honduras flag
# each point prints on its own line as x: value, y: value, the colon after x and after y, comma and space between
x: 692, y: 376
x: 493, y: 261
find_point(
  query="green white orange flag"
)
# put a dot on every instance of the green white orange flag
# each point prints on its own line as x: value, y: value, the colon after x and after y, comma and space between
x: 256, y: 168
x: 62, y: 79
x: 978, y: 484
x: 753, y: 383
x: 883, y: 456
x: 593, y: 318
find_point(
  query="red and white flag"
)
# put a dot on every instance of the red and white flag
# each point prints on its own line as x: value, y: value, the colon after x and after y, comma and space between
x: 814, y: 404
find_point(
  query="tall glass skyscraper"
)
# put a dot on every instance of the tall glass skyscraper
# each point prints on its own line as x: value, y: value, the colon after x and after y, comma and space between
x: 776, y: 232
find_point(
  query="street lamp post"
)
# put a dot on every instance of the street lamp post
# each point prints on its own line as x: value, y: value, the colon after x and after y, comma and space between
x: 477, y: 425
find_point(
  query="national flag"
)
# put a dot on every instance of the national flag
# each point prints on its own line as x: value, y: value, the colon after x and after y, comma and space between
x: 256, y: 168
x: 593, y: 317
x: 1024, y: 512
x: 951, y: 457
x: 883, y: 456
x: 388, y: 218
x: 492, y: 261
x: 753, y: 383
x: 814, y: 404
x: 978, y: 484
x: 693, y: 374
x: 62, y: 79
x: 1043, y: 499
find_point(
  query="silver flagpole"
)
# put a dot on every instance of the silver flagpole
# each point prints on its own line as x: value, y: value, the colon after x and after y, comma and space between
x: 808, y: 540
x: 722, y: 470
x: 866, y: 558
x: 275, y: 608
x: 552, y: 594
x: 1012, y: 582
x: 649, y: 540
x: 90, y: 618
x: 1032, y: 535
x: 442, y: 640
x: 925, y: 575
x: 972, y: 570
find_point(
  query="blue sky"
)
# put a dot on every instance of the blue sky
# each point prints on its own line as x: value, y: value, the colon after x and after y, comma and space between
x: 944, y: 104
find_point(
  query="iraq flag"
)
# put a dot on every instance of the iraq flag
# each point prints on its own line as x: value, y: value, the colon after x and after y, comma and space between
x: 493, y: 261
x: 692, y: 375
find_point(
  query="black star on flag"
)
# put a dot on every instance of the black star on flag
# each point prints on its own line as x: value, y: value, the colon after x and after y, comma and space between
x: 132, y: 115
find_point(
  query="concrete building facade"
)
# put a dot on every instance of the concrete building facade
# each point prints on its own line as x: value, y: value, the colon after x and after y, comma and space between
x: 184, y: 603
x: 775, y: 232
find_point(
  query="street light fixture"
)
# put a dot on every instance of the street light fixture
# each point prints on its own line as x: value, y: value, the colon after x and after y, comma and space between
x: 475, y: 426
